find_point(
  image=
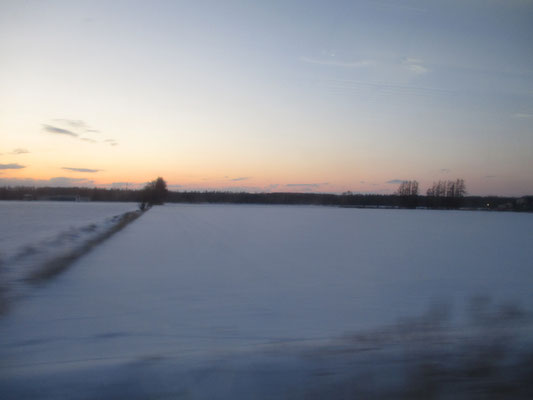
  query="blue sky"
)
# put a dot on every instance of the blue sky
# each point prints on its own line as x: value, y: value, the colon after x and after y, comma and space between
x: 308, y: 96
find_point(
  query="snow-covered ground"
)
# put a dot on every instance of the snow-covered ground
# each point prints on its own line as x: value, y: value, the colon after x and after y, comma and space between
x: 28, y: 223
x: 188, y: 290
x: 33, y: 234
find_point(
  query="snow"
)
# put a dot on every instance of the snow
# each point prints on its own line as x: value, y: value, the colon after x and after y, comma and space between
x: 27, y: 223
x: 191, y: 283
x: 35, y: 233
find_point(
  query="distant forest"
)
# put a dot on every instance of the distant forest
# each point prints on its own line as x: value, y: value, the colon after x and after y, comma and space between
x: 344, y: 200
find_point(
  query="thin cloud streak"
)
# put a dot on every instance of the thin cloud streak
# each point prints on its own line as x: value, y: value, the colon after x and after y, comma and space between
x: 339, y: 63
x: 414, y: 65
x: 19, y: 151
x: 74, y: 123
x: 388, y: 88
x: 12, y: 166
x: 306, y: 185
x: 89, y: 170
x: 59, y: 131
x: 59, y: 181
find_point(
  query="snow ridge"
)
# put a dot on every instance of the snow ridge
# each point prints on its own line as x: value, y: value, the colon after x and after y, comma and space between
x: 40, y: 261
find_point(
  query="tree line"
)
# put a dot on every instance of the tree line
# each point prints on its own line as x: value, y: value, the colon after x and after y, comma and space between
x: 442, y: 194
x: 402, y: 199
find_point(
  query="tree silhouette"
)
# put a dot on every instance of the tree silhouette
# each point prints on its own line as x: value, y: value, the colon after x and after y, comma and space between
x: 446, y: 194
x: 154, y: 193
x: 408, y: 192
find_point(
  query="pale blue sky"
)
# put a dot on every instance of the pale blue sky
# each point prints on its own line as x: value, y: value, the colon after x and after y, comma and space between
x: 323, y: 96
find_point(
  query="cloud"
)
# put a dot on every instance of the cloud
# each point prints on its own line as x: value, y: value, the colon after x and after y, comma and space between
x: 78, y: 125
x: 444, y: 170
x: 339, y: 63
x: 12, y: 166
x: 396, y: 181
x: 490, y: 176
x: 73, y: 127
x: 522, y: 115
x: 125, y: 185
x: 306, y: 186
x: 81, y: 169
x: 271, y: 187
x: 57, y: 181
x: 19, y: 151
x: 111, y: 142
x: 368, y: 183
x: 417, y: 69
x: 64, y: 181
x: 74, y: 123
x: 387, y: 89
x: 240, y: 179
x: 303, y: 185
x: 59, y: 131
x: 414, y: 65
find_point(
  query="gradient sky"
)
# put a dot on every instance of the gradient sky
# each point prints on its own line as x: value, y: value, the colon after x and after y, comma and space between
x: 322, y: 96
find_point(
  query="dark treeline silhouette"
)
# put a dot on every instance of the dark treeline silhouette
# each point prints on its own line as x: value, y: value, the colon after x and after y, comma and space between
x: 347, y: 199
x: 408, y: 192
x: 154, y: 193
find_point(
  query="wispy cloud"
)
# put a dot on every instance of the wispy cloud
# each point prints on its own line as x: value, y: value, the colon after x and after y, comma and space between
x: 304, y: 185
x: 384, y: 88
x: 75, y: 128
x: 401, y: 6
x: 59, y: 131
x: 111, y: 142
x: 56, y: 181
x: 338, y: 63
x: 244, y: 178
x: 89, y: 170
x: 271, y: 187
x: 19, y: 151
x: 74, y: 123
x: 368, y: 183
x: 444, y: 171
x: 12, y: 166
x: 77, y: 124
x: 523, y: 115
x: 64, y: 181
x: 396, y: 181
x: 414, y: 65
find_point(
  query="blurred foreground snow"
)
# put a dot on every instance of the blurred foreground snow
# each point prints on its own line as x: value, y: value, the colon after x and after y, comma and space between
x: 216, y: 301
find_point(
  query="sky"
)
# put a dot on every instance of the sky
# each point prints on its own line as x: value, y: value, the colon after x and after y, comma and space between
x: 300, y: 96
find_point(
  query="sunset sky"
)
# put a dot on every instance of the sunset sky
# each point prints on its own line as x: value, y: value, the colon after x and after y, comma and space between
x: 321, y: 96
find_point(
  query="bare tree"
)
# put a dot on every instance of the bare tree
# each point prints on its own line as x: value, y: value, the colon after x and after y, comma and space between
x: 154, y: 192
x: 408, y: 192
x: 447, y: 194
